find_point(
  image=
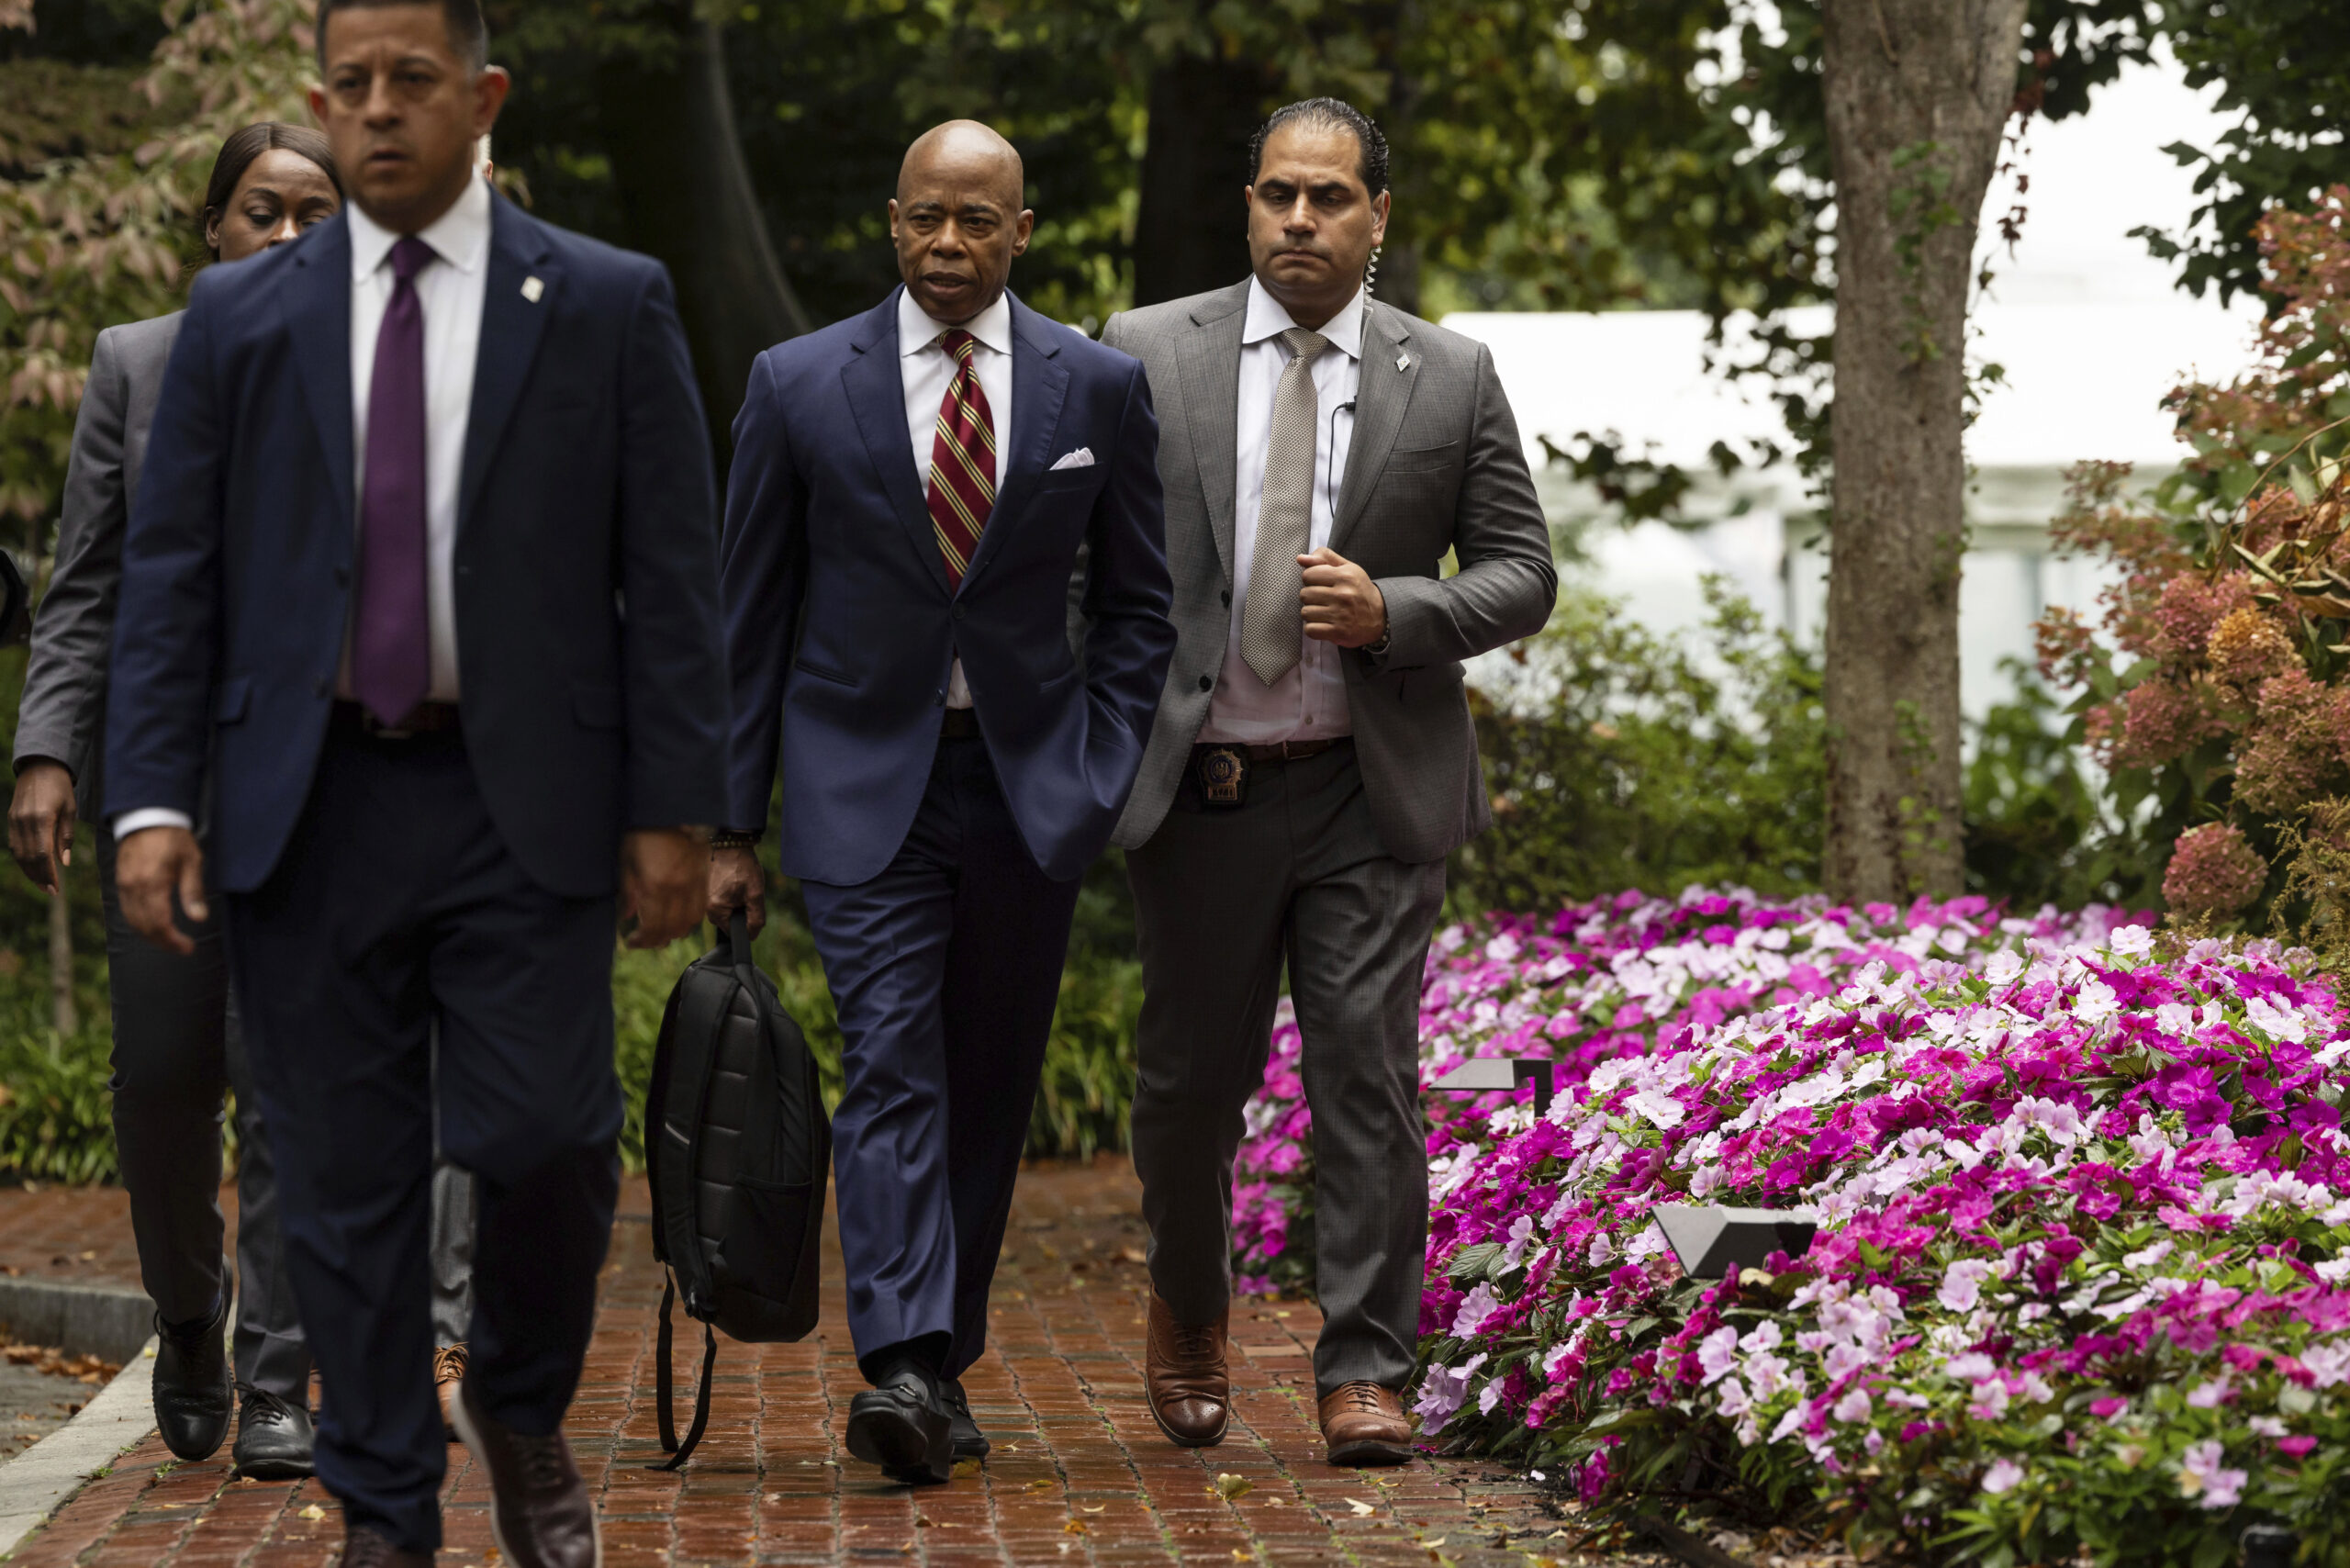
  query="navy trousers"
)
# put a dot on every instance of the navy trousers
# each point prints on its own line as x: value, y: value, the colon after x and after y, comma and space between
x: 944, y: 970
x: 397, y: 907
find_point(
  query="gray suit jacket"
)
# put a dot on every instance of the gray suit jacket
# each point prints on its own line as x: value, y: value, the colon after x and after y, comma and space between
x: 63, y: 713
x: 1436, y: 467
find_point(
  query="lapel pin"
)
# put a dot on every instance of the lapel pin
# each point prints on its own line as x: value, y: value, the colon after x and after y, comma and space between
x: 531, y: 288
x: 1403, y: 361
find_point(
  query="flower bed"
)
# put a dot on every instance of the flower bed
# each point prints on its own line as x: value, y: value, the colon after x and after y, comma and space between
x: 1620, y: 976
x: 2080, y: 1277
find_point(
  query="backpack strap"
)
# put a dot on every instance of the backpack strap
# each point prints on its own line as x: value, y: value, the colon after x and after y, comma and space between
x: 665, y: 1390
x: 686, y: 1092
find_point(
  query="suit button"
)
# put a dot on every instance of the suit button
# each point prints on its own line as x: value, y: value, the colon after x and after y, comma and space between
x: 958, y: 613
x: 1207, y: 683
x: 1228, y: 598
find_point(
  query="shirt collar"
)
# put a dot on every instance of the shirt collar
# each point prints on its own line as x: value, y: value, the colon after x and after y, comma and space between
x: 917, y: 330
x: 1267, y: 319
x: 459, y: 237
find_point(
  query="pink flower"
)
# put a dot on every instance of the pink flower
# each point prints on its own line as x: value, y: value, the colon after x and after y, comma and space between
x: 2213, y: 872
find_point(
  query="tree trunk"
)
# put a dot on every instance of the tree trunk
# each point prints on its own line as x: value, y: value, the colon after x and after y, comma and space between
x: 685, y: 198
x: 1918, y: 93
x: 62, y: 1013
x: 1192, y: 226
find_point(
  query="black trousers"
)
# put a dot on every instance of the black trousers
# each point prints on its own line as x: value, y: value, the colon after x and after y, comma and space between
x: 944, y: 970
x: 177, y: 1050
x: 396, y: 909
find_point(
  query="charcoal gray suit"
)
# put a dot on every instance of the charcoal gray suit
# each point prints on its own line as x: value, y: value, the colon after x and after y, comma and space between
x: 1334, y: 863
x: 176, y: 1044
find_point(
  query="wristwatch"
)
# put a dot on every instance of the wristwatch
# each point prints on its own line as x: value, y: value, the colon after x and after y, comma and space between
x: 727, y: 838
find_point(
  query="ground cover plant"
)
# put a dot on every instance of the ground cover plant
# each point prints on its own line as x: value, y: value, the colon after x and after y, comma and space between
x: 2082, y: 1283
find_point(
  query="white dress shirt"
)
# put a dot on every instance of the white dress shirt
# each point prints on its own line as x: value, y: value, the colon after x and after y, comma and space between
x: 450, y: 289
x: 1309, y: 702
x: 928, y: 370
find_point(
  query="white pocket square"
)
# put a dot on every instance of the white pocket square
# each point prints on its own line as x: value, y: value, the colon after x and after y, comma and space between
x: 1081, y: 458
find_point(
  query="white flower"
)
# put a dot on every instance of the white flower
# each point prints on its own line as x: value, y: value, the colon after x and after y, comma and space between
x: 2148, y: 1255
x: 2131, y: 942
x: 2202, y: 1476
x: 1502, y: 949
x: 1441, y: 1392
x: 2173, y: 1018
x: 1603, y: 1250
x: 2327, y: 1365
x: 1962, y: 1287
x: 1717, y: 1353
x: 1853, y: 1406
x: 1656, y: 1107
x: 1475, y: 1308
x: 2094, y: 1003
x: 2004, y: 965
x: 2334, y: 1271
x: 1734, y: 1400
x: 2266, y: 1427
x: 2276, y: 1023
x: 2002, y: 1476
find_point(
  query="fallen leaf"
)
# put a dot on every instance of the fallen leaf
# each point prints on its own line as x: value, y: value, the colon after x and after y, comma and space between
x: 1075, y: 1526
x: 1096, y: 1508
x: 966, y: 1467
x: 1040, y: 1486
x: 1360, y: 1508
x: 1238, y: 1555
x: 313, y: 1512
x: 775, y: 1497
x: 1132, y: 1255
x: 86, y: 1257
x: 1231, y: 1487
x: 1438, y: 1541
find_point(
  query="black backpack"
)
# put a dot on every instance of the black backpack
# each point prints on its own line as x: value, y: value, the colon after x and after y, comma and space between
x: 737, y: 1146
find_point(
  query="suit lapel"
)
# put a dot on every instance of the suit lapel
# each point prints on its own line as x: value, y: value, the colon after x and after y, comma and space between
x: 1389, y: 373
x: 318, y: 316
x: 877, y: 397
x: 1208, y: 363
x: 511, y: 325
x: 1039, y: 388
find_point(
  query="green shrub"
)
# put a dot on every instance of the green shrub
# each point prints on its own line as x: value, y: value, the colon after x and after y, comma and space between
x: 1620, y: 757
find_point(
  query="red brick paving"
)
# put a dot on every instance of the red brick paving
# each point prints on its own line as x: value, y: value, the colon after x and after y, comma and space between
x: 1079, y: 1475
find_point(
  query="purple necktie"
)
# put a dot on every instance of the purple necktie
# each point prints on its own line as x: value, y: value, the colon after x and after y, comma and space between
x: 391, y: 652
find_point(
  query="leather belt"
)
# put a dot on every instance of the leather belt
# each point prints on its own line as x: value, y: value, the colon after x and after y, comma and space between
x: 1279, y: 751
x: 424, y: 719
x: 960, y: 725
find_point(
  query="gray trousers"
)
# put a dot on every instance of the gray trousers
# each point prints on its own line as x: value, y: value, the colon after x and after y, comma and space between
x: 1224, y: 896
x: 177, y: 1050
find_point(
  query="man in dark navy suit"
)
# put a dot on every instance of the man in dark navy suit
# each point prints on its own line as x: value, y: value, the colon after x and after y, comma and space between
x: 424, y: 568
x: 914, y: 491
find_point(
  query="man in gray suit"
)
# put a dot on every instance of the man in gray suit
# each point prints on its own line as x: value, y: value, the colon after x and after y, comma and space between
x: 1312, y: 762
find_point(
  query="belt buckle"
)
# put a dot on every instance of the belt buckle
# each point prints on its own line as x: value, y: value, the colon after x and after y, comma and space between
x: 375, y: 729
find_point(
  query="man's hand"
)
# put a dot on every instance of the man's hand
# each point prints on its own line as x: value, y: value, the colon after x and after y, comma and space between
x: 1341, y: 602
x: 736, y: 882
x: 663, y: 872
x: 148, y: 867
x: 40, y: 821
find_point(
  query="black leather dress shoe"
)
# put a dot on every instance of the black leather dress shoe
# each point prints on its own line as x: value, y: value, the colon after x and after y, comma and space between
x: 192, y: 1394
x: 540, y: 1510
x: 970, y: 1441
x: 365, y: 1546
x: 903, y: 1427
x: 274, y: 1438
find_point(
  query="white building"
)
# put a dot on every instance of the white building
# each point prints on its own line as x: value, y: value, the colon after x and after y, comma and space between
x: 2090, y: 332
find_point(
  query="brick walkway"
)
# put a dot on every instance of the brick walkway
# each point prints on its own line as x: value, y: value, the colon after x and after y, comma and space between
x: 1080, y: 1476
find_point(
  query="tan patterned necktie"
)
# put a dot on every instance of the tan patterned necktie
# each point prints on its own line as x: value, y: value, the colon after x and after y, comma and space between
x: 1272, y: 629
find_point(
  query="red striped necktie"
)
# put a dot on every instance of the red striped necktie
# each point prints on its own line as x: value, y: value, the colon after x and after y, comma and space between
x: 962, y: 462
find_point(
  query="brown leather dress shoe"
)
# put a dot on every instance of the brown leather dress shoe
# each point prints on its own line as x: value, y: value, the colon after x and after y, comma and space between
x: 540, y: 1510
x: 365, y: 1546
x: 1364, y: 1424
x: 448, y: 1371
x: 1184, y: 1378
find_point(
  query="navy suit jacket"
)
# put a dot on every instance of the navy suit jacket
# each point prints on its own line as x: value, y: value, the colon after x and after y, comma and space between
x: 842, y: 627
x: 593, y: 680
